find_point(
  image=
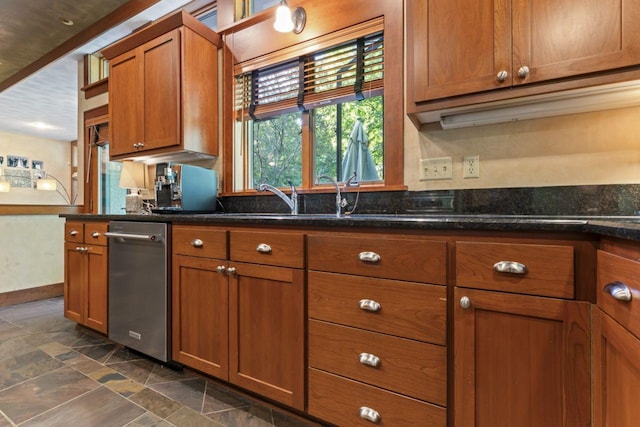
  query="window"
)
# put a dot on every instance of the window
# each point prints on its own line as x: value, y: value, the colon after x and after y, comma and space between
x: 97, y: 67
x: 320, y: 113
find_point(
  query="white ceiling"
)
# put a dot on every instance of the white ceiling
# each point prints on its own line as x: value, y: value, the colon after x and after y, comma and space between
x: 50, y: 95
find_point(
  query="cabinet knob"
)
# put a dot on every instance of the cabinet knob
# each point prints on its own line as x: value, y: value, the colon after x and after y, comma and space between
x: 465, y: 302
x: 512, y: 267
x: 619, y: 291
x: 369, y: 359
x: 197, y: 243
x: 369, y: 414
x: 231, y: 270
x: 502, y: 76
x: 220, y: 269
x: 95, y: 234
x: 369, y: 305
x: 263, y: 248
x: 73, y: 233
x: 370, y: 257
x: 523, y: 72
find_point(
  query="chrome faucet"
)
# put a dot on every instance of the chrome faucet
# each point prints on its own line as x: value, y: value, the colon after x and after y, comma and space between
x: 291, y: 202
x: 339, y: 202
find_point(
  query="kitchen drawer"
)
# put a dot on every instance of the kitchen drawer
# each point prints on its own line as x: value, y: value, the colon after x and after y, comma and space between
x: 74, y: 232
x: 612, y: 269
x: 405, y: 366
x: 199, y: 241
x: 393, y: 257
x: 271, y: 248
x: 340, y: 401
x: 549, y: 268
x: 94, y: 233
x: 407, y: 309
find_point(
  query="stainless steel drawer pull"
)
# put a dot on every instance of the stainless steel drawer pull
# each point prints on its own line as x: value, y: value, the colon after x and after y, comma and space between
x: 512, y: 267
x: 369, y: 305
x: 263, y: 248
x: 369, y: 414
x: 371, y: 257
x: 73, y: 233
x: 465, y: 302
x: 197, y: 243
x: 231, y: 270
x: 220, y: 268
x: 95, y: 234
x: 619, y: 291
x: 369, y: 359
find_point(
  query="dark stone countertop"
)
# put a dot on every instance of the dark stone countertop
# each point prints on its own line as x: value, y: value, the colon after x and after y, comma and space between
x: 627, y: 227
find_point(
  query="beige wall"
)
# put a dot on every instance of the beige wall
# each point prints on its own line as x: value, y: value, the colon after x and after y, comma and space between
x: 31, y: 251
x: 32, y: 246
x: 582, y: 149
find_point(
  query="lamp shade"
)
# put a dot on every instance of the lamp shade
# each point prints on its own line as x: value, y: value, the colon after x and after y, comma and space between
x: 132, y: 175
x: 5, y: 187
x: 46, y: 184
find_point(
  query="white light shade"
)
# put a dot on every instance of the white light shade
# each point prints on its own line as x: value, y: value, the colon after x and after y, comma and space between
x: 5, y: 187
x: 597, y: 98
x: 46, y: 184
x: 132, y: 175
x: 284, y: 23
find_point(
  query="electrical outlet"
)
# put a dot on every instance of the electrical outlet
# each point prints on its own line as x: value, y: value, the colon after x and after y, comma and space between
x: 438, y: 168
x: 471, y: 167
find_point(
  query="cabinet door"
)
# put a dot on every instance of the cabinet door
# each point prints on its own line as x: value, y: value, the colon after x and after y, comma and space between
x: 74, y: 281
x: 521, y: 361
x: 266, y: 327
x: 616, y: 373
x: 161, y: 78
x: 562, y: 38
x: 125, y: 103
x: 457, y: 46
x: 200, y: 301
x: 96, y: 288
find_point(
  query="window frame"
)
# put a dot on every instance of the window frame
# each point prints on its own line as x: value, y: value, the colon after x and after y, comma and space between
x: 242, y: 49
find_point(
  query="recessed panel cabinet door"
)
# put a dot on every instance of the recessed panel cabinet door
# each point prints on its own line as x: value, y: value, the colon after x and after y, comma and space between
x: 562, y: 38
x: 161, y: 59
x: 266, y: 331
x: 200, y: 298
x: 125, y: 103
x: 74, y: 282
x: 97, y: 290
x: 521, y: 360
x: 616, y: 376
x: 458, y: 46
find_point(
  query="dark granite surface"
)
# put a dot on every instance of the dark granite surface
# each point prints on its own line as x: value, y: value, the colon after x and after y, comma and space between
x: 603, y: 210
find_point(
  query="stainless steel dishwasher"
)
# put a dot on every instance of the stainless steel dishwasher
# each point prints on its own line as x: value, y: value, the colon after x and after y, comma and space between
x: 138, y: 287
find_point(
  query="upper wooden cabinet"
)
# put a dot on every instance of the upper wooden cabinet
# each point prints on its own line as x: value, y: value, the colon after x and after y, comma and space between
x: 467, y: 46
x: 163, y: 90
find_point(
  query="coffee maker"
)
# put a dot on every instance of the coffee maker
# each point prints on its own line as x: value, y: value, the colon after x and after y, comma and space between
x: 185, y: 188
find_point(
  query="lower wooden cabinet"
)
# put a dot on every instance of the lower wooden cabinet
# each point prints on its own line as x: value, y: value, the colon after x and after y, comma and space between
x: 616, y: 376
x: 616, y: 336
x: 242, y: 322
x: 86, y: 275
x: 200, y: 318
x: 521, y: 360
x: 266, y: 331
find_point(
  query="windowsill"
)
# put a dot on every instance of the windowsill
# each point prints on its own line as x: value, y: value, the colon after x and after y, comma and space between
x: 319, y: 190
x: 96, y: 88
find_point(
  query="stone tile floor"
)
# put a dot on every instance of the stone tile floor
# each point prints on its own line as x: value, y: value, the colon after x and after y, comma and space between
x: 55, y: 373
